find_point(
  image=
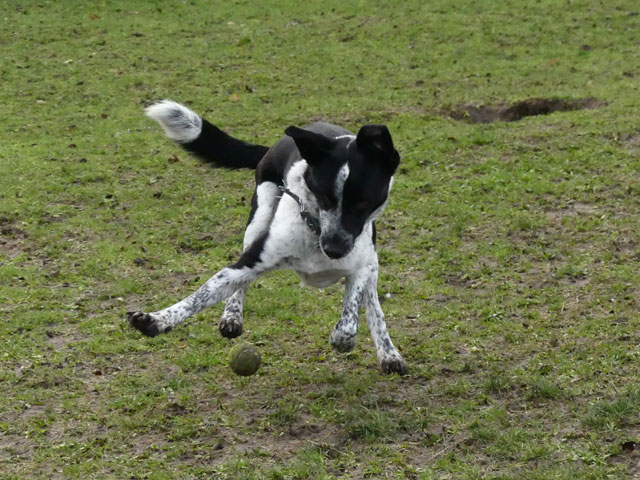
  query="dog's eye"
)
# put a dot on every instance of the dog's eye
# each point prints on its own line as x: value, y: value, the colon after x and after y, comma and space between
x: 324, y: 201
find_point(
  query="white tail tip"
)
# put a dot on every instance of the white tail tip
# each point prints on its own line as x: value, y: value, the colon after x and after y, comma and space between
x: 178, y: 122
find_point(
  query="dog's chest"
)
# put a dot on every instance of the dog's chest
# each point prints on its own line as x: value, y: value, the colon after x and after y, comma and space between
x: 316, y: 270
x: 321, y: 279
x: 293, y: 247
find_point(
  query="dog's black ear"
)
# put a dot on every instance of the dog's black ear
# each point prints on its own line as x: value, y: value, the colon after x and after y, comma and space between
x: 375, y: 140
x: 313, y: 146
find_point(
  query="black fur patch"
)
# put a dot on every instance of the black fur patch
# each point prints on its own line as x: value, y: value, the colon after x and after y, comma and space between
x: 251, y: 255
x: 215, y: 146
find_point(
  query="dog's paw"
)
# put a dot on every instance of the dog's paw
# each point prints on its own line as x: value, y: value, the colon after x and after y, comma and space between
x: 230, y: 326
x: 394, y: 365
x: 147, y: 324
x: 342, y: 343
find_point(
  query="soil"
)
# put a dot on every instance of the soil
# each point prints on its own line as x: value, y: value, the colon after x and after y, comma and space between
x: 505, y: 112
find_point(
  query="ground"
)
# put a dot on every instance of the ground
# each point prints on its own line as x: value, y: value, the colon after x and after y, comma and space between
x: 509, y: 249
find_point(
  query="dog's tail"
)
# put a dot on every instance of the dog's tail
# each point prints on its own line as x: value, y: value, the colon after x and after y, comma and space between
x: 201, y: 138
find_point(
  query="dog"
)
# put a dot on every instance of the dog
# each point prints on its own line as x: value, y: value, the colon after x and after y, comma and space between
x: 319, y: 190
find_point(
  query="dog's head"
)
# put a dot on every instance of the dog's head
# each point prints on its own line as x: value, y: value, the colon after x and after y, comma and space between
x: 350, y: 179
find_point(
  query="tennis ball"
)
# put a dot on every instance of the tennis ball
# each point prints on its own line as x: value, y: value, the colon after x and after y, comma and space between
x: 244, y: 359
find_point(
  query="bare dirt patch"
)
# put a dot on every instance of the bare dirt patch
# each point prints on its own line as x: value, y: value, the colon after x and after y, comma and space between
x: 12, y: 238
x: 63, y: 338
x: 511, y: 112
x: 631, y: 141
x: 573, y: 209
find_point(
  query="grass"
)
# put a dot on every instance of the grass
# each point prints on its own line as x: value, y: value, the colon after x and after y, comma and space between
x: 509, y: 251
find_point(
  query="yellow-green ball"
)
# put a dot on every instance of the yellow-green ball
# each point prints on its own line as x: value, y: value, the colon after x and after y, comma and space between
x: 244, y: 359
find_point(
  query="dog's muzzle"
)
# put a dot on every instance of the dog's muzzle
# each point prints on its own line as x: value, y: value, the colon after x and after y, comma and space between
x: 336, y: 245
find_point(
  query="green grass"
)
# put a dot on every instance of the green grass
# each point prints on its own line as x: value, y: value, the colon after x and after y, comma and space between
x: 510, y: 250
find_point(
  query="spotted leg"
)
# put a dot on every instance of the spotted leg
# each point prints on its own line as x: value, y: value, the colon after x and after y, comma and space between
x: 343, y: 335
x: 263, y: 205
x: 389, y: 360
x: 230, y: 325
x: 219, y: 287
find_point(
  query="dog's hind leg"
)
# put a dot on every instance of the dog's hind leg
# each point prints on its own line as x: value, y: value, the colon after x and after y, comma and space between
x: 389, y: 360
x: 230, y: 324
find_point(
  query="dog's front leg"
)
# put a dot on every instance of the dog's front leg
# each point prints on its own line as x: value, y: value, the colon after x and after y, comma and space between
x: 217, y: 288
x: 230, y: 324
x: 389, y: 360
x: 343, y: 335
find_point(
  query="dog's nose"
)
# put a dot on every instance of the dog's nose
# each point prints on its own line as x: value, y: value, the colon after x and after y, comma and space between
x: 335, y: 246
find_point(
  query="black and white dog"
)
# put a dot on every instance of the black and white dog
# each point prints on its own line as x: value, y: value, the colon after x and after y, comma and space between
x: 318, y: 192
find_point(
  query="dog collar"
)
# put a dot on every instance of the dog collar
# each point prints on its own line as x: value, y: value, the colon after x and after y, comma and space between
x: 311, y: 221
